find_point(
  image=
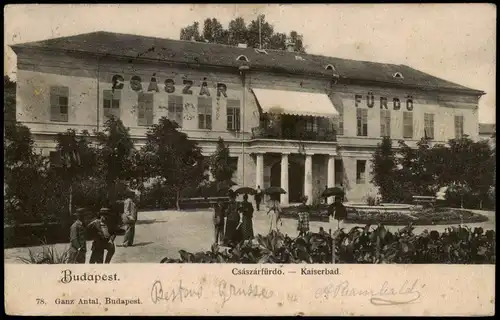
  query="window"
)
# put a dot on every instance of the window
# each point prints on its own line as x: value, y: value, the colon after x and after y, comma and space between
x: 111, y: 103
x: 204, y: 113
x: 385, y: 123
x: 362, y: 122
x: 59, y: 103
x: 429, y: 125
x: 459, y: 126
x: 145, y: 108
x: 407, y: 125
x: 175, y: 105
x: 55, y: 158
x: 360, y: 171
x: 398, y: 75
x: 311, y: 124
x: 340, y: 120
x: 233, y: 115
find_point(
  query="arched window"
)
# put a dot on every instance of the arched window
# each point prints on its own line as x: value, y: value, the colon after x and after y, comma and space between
x: 398, y: 75
x: 242, y: 58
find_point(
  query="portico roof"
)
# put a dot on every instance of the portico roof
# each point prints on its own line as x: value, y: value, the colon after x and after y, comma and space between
x: 295, y: 103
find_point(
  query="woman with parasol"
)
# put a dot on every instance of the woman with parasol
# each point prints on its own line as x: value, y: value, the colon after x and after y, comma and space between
x: 274, y: 211
x: 336, y: 210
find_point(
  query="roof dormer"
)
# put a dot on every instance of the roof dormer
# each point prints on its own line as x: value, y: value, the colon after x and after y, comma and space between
x: 331, y: 67
x: 398, y: 75
x: 261, y: 51
x: 242, y: 58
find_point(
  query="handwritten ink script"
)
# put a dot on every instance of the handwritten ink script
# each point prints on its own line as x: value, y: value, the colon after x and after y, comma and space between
x: 177, y: 293
x: 222, y: 289
x: 387, y: 294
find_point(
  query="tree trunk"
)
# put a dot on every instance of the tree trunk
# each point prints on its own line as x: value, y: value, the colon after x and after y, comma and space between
x: 462, y: 201
x: 481, y: 204
x: 71, y: 199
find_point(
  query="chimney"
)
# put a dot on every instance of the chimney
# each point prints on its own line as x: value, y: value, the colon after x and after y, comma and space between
x: 290, y: 46
x: 242, y: 45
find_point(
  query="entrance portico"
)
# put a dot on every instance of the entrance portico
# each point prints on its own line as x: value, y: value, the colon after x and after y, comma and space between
x: 295, y: 173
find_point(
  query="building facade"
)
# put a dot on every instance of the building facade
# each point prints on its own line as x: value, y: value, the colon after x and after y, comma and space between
x: 318, y: 117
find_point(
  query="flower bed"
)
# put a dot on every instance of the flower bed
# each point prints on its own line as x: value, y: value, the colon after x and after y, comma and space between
x: 432, y: 216
x: 457, y: 245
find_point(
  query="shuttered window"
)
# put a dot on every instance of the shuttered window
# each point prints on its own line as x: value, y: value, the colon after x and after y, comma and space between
x: 111, y: 103
x: 362, y: 122
x: 459, y: 126
x: 385, y: 123
x: 175, y: 105
x: 59, y: 104
x: 429, y: 125
x: 408, y: 125
x: 145, y: 109
x: 233, y: 115
x: 204, y: 113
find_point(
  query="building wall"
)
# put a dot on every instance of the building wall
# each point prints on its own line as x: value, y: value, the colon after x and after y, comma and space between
x: 87, y: 79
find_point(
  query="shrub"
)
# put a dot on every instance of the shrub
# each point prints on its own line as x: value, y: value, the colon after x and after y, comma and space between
x: 457, y: 245
x: 48, y: 255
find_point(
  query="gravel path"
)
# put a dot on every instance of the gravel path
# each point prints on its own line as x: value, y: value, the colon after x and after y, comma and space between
x: 164, y: 233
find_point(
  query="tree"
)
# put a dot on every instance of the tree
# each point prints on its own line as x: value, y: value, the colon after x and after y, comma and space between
x: 237, y: 31
x: 192, y: 32
x: 214, y: 32
x: 115, y: 153
x: 221, y: 167
x: 9, y: 100
x: 173, y: 157
x: 266, y: 32
x: 384, y: 166
x: 78, y: 159
x: 258, y: 32
x: 23, y: 173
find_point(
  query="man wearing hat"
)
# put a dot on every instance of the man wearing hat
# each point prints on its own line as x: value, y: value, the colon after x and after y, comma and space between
x: 103, y: 236
x: 78, y: 245
x: 129, y: 219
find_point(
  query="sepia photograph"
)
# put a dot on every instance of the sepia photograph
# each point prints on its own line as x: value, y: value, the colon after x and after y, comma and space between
x: 250, y: 159
x: 249, y: 134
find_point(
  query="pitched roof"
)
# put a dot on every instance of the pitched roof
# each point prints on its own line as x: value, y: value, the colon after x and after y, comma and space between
x: 137, y: 46
x: 487, y: 128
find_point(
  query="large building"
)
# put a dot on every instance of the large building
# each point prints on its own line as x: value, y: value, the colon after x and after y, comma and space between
x: 319, y: 118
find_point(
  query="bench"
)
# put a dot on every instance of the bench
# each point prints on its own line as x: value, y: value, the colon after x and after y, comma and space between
x: 200, y: 202
x: 426, y: 201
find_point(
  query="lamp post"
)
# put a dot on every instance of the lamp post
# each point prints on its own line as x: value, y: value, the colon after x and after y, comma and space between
x: 243, y: 69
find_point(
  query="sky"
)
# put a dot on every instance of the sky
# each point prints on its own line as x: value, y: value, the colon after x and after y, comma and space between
x: 456, y: 42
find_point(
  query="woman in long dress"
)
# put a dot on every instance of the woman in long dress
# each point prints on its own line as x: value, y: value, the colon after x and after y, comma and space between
x: 233, y: 221
x: 246, y: 221
x: 337, y: 211
x: 274, y: 213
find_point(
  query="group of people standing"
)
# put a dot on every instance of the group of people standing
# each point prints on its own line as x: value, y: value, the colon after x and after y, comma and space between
x: 233, y: 220
x: 102, y: 231
x: 336, y: 213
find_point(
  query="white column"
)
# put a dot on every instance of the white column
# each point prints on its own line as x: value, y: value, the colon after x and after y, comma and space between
x: 331, y: 174
x: 259, y: 171
x: 284, y: 178
x: 308, y: 184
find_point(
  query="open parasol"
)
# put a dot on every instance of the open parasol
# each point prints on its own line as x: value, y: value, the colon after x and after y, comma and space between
x: 244, y: 190
x: 274, y: 190
x: 335, y: 191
